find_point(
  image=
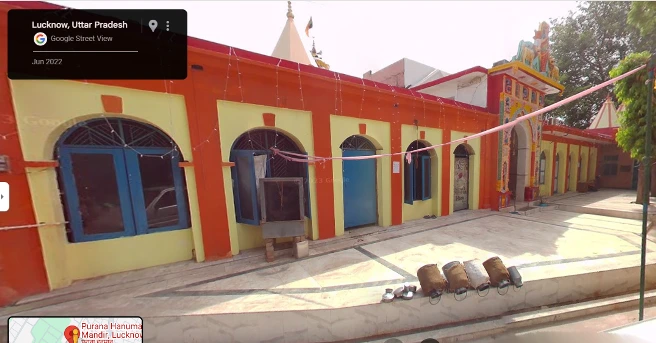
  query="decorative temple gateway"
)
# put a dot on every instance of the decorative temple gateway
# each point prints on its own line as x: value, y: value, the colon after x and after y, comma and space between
x: 213, y: 183
x: 526, y: 81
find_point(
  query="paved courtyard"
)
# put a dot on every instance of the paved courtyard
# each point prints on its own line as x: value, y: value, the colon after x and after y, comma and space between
x: 354, y: 269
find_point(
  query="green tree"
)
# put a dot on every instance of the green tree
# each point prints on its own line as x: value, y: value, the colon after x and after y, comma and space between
x: 632, y: 91
x: 643, y: 17
x: 586, y: 45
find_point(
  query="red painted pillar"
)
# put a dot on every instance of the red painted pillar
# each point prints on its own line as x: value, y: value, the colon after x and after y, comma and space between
x: 202, y: 114
x: 22, y: 269
x: 397, y: 180
x: 446, y: 172
x: 532, y: 177
x: 488, y: 166
x: 325, y: 194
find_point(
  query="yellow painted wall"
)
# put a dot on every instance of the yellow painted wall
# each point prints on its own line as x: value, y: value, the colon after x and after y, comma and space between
x: 592, y: 171
x: 40, y: 124
x: 234, y: 120
x: 574, y: 152
x: 549, y: 149
x: 474, y: 169
x: 561, y: 149
x: 585, y: 156
x: 432, y: 206
x: 379, y: 134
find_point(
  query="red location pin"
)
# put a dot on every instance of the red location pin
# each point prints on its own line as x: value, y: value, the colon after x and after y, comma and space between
x: 72, y: 334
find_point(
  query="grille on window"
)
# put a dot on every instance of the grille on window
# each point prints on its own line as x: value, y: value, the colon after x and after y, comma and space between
x: 263, y: 139
x: 114, y: 132
x: 357, y: 143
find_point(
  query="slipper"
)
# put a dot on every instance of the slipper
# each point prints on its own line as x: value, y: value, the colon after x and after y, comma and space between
x: 427, y: 217
x: 433, y: 217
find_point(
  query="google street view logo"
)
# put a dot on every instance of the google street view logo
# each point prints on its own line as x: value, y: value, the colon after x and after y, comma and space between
x: 40, y: 39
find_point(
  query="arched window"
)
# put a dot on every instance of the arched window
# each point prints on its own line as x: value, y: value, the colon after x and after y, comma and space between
x: 120, y: 178
x: 254, y: 160
x: 543, y: 168
x: 417, y: 174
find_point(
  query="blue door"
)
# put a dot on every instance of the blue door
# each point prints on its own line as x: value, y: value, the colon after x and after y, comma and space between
x: 359, y: 179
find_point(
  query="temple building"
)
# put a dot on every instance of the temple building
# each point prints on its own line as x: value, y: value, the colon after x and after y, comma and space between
x: 616, y: 168
x: 117, y: 175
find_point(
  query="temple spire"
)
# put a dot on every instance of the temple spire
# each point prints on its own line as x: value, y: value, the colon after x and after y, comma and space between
x: 290, y: 46
x: 290, y: 14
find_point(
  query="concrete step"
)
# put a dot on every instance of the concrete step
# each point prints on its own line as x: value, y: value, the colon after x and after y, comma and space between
x: 606, y: 212
x: 504, y: 324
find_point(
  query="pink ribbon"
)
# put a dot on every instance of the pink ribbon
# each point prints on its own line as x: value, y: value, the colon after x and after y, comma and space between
x: 295, y: 157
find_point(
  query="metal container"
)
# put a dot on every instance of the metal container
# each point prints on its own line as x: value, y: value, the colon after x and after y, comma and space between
x: 515, y: 277
x: 477, y: 275
x: 388, y: 297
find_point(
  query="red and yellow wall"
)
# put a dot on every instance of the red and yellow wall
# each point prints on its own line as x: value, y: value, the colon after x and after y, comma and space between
x: 204, y: 114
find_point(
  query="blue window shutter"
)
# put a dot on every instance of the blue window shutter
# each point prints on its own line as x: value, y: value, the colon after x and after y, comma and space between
x: 73, y: 201
x: 244, y: 161
x: 306, y: 185
x: 426, y: 177
x: 136, y: 189
x: 409, y: 181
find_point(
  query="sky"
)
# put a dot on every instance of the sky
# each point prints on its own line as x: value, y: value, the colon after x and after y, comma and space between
x: 358, y: 36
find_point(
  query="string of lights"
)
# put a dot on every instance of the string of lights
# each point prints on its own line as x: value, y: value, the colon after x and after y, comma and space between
x: 5, y: 136
x: 303, y: 158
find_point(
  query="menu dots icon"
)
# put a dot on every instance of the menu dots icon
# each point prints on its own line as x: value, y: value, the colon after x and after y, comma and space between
x: 167, y: 25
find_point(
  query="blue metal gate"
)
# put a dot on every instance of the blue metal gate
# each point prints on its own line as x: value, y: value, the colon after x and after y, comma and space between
x: 359, y: 180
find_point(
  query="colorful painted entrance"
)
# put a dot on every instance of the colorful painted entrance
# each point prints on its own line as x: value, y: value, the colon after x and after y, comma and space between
x: 461, y: 178
x: 514, y: 150
x: 359, y: 180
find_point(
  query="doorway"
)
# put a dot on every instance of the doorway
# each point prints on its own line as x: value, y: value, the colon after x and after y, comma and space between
x: 514, y: 150
x: 359, y: 182
x: 461, y: 178
x: 518, y: 162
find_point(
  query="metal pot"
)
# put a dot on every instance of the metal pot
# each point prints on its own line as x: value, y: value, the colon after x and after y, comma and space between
x: 515, y: 277
x: 408, y: 295
x: 388, y: 297
x: 399, y: 292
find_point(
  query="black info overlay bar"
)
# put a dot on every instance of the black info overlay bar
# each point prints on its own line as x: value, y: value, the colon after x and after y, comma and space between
x: 97, y: 44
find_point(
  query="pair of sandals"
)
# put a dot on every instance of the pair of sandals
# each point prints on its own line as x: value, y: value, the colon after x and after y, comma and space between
x: 430, y: 217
